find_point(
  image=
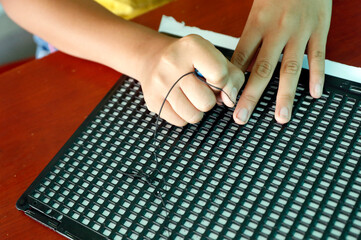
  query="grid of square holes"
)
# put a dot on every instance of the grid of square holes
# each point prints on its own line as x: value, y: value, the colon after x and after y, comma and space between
x: 221, y: 180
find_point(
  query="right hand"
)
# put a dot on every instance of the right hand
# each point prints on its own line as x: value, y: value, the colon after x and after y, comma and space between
x: 190, y: 98
x: 273, y: 26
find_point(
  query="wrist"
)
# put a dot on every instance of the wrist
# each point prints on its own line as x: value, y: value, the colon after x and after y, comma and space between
x: 134, y: 50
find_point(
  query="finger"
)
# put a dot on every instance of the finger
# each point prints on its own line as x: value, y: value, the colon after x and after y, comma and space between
x: 316, y: 60
x: 246, y: 48
x: 289, y: 74
x: 219, y: 99
x: 171, y: 116
x: 211, y: 63
x: 198, y: 93
x: 208, y: 60
x: 183, y: 107
x: 261, y: 74
x: 234, y: 84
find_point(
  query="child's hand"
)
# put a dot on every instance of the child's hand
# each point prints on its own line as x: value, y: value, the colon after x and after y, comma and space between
x: 190, y: 98
x: 276, y: 25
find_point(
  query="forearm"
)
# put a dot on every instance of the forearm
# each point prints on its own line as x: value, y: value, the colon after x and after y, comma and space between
x: 85, y: 29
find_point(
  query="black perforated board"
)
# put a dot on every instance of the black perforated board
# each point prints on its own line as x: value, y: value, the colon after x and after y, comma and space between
x: 221, y: 180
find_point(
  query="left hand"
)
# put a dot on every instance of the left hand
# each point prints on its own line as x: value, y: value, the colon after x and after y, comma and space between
x: 273, y: 26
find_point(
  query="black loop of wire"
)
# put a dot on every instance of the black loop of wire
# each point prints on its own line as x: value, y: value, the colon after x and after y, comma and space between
x: 147, y: 176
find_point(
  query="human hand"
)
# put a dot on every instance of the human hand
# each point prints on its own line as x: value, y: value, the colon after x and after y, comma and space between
x: 190, y: 98
x: 273, y: 26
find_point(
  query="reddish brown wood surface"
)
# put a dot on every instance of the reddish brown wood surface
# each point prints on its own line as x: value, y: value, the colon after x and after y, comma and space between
x: 9, y: 66
x: 43, y: 102
x: 41, y: 105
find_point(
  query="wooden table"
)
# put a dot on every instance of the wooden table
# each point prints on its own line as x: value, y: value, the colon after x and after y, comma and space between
x: 43, y: 102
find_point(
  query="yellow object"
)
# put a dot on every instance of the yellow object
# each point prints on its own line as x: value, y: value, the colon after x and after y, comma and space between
x: 131, y: 8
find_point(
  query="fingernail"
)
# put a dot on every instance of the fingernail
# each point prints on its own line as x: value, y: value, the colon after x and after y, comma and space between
x: 318, y: 90
x: 284, y: 113
x: 234, y: 94
x: 243, y: 115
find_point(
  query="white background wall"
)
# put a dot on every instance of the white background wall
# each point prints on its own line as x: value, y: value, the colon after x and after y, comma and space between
x: 15, y: 43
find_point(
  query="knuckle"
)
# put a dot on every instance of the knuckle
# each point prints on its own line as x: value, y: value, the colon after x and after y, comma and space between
x: 221, y: 75
x: 195, y: 37
x: 318, y: 55
x: 323, y: 17
x: 190, y: 40
x: 317, y: 64
x: 286, y: 97
x: 263, y: 69
x: 259, y: 19
x: 218, y: 76
x: 291, y: 67
x: 286, y: 21
x: 251, y: 99
x: 240, y: 59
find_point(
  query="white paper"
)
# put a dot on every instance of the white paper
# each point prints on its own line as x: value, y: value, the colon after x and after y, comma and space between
x: 171, y: 26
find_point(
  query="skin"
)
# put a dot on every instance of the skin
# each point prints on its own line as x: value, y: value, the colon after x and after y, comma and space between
x: 273, y: 26
x: 85, y: 29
